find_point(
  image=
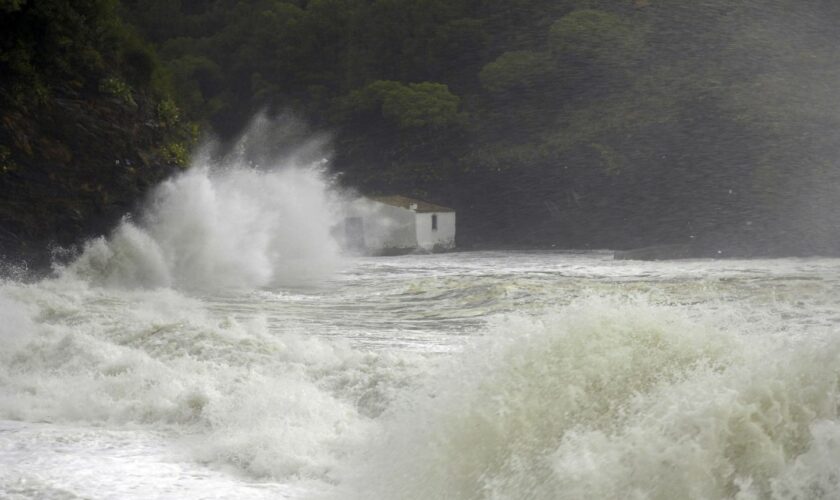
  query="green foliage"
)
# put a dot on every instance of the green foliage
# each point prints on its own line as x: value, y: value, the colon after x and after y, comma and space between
x: 139, y: 65
x: 420, y: 105
x: 519, y: 70
x: 593, y: 36
x: 62, y: 38
x: 81, y: 44
x: 11, y: 5
x: 168, y: 113
x: 197, y: 81
x: 407, y: 106
x: 117, y: 88
x: 176, y: 153
x: 537, y: 102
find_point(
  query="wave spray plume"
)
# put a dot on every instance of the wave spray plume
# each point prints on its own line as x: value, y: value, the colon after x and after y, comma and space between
x: 246, y: 220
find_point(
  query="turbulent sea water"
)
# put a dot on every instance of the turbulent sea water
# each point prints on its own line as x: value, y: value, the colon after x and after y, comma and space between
x: 219, y: 346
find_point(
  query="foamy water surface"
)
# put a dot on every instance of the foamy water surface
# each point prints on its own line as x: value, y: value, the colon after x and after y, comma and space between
x: 219, y: 345
x: 465, y: 375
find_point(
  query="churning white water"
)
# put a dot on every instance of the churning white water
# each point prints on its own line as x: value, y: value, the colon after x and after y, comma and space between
x: 474, y: 375
x: 234, y: 227
x: 218, y: 346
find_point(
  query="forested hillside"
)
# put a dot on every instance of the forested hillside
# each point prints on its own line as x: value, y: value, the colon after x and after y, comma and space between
x: 565, y: 123
x: 87, y: 123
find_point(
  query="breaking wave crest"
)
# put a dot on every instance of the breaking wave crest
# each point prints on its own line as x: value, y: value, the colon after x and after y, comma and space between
x: 119, y: 337
x: 256, y: 217
x: 613, y: 398
x: 618, y: 396
x: 228, y: 390
x: 234, y: 227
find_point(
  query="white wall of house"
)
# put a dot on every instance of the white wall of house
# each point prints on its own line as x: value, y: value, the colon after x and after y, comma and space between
x: 386, y: 228
x: 443, y: 237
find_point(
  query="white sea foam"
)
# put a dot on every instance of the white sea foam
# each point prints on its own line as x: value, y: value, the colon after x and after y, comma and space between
x: 271, y: 404
x: 115, y: 340
x: 616, y: 399
x: 16, y: 326
x: 233, y: 227
x: 591, y: 378
x: 257, y: 217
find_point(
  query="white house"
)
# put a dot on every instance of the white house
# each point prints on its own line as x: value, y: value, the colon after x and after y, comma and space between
x: 398, y: 224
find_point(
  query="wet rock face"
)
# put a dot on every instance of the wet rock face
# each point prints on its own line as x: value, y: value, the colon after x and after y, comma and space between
x: 72, y: 166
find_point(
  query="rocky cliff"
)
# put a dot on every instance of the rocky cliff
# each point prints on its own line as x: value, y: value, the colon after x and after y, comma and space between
x: 72, y: 166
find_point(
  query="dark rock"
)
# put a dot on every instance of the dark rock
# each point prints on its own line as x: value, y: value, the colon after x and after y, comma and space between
x: 65, y: 186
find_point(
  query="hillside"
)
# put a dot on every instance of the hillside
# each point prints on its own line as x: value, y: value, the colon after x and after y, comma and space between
x: 561, y: 124
x: 86, y: 125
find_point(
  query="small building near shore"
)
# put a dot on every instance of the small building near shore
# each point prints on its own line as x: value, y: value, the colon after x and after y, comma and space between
x: 398, y: 224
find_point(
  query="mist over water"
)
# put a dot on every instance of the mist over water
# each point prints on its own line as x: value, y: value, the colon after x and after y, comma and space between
x: 255, y: 217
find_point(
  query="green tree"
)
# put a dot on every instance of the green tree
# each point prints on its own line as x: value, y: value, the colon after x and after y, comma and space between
x: 406, y: 106
x: 591, y: 36
x: 518, y: 71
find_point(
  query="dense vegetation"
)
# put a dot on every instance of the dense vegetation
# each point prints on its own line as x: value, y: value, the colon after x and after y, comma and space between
x: 566, y: 122
x: 86, y: 123
x: 575, y: 123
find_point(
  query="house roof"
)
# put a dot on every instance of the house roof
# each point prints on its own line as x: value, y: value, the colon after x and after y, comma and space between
x: 406, y: 202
